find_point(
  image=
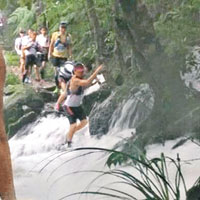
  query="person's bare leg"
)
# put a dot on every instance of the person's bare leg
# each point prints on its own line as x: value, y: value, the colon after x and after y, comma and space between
x: 74, y: 128
x: 22, y: 65
x: 42, y: 69
x: 62, y: 96
x: 82, y: 124
x: 37, y: 73
x: 71, y: 132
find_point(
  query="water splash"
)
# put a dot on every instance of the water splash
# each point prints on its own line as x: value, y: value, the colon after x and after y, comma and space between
x: 44, y: 173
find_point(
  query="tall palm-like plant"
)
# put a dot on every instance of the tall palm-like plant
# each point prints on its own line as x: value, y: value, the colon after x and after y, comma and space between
x: 22, y: 17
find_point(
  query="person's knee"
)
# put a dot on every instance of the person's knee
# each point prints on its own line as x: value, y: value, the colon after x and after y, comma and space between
x: 73, y: 127
x: 84, y: 122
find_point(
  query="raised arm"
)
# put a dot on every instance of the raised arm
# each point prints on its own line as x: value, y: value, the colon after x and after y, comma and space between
x: 88, y: 81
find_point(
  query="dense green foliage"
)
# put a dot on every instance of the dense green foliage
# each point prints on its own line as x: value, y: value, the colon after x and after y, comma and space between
x: 21, y: 18
x: 11, y: 60
x: 12, y: 79
x: 176, y: 24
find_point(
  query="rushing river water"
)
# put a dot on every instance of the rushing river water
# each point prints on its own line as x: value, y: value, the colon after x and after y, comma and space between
x: 42, y: 172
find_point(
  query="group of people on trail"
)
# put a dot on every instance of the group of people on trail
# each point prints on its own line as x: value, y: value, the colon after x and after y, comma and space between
x: 35, y: 50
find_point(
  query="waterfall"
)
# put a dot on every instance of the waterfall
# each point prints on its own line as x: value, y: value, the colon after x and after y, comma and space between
x: 42, y: 172
x: 192, y: 74
x: 131, y: 112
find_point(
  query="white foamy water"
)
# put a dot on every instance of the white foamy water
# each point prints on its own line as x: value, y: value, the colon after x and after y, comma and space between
x: 35, y: 159
x: 42, y: 172
x: 189, y: 154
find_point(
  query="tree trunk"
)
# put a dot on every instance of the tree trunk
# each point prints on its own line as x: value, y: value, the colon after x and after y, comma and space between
x: 118, y: 45
x: 94, y: 21
x: 6, y: 177
x: 159, y: 71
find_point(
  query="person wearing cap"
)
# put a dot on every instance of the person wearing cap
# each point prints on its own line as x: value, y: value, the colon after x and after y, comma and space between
x: 60, y: 48
x: 64, y: 75
x: 73, y: 103
x: 18, y: 49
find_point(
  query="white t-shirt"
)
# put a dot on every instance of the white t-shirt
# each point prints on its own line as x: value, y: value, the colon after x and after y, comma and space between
x: 33, y: 48
x: 25, y: 40
x: 18, y: 45
x: 43, y: 42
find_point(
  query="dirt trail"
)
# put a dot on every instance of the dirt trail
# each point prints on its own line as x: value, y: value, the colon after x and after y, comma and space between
x: 36, y: 84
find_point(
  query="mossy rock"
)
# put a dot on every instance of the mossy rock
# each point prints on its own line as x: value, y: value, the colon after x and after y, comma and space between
x: 95, y: 97
x: 24, y: 100
x: 101, y: 114
x: 194, y: 193
x: 25, y: 119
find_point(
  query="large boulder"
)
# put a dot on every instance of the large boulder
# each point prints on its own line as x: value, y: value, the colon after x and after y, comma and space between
x: 22, y: 104
x: 96, y: 97
x: 101, y: 114
x: 194, y: 193
x: 121, y: 110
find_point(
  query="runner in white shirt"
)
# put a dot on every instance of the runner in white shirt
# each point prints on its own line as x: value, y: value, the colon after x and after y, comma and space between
x: 30, y: 51
x: 18, y: 49
x: 27, y: 38
x: 43, y: 41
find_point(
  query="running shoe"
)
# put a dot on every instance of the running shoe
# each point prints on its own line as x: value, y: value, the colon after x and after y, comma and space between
x: 56, y: 91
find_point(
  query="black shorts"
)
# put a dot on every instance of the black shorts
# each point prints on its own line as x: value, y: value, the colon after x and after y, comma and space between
x: 43, y: 57
x: 74, y: 113
x: 57, y: 62
x: 31, y: 60
x: 63, y: 79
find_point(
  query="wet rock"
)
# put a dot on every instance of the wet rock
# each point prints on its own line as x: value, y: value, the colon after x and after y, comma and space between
x: 10, y: 89
x: 194, y: 193
x: 101, y: 114
x: 99, y: 96
x: 22, y: 121
x: 21, y: 106
x: 121, y: 112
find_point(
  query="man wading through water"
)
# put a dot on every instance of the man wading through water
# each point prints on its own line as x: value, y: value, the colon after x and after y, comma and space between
x: 73, y: 103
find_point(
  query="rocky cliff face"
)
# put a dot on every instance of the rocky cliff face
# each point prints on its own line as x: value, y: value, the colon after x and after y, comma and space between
x: 124, y: 112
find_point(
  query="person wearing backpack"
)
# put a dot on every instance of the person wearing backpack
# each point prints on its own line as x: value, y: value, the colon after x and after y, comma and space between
x: 64, y: 75
x: 60, y: 49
